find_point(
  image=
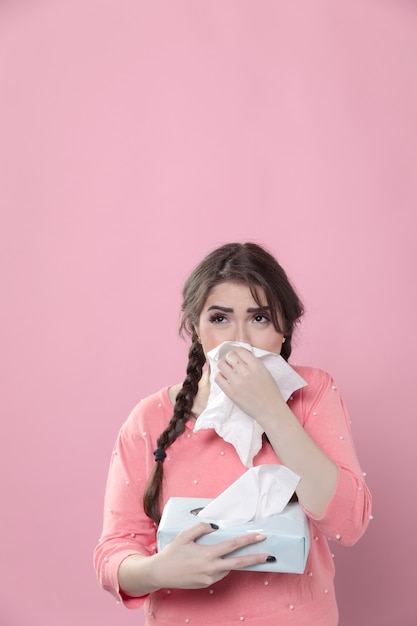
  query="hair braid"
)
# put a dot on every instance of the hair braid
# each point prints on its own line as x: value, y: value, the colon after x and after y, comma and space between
x: 182, y: 413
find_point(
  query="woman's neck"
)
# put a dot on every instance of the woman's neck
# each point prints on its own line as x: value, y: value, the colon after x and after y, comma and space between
x: 200, y: 401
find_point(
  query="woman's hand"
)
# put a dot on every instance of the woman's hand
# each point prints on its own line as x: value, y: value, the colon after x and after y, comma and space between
x: 247, y: 382
x: 185, y: 564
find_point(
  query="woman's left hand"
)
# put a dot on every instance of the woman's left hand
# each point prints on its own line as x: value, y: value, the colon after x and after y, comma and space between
x: 247, y: 382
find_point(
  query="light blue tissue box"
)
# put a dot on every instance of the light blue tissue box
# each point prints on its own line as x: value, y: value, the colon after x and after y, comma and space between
x: 287, y: 534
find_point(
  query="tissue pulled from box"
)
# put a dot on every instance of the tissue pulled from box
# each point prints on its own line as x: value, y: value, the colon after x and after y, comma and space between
x: 260, y: 492
x: 228, y: 420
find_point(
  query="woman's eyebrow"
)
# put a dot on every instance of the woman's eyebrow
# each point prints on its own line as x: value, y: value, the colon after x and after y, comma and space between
x: 259, y: 309
x: 225, y: 309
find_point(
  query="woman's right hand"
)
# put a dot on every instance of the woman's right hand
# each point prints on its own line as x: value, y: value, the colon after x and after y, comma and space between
x: 185, y: 564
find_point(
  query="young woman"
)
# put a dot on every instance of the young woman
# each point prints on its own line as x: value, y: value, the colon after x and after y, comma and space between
x: 237, y: 293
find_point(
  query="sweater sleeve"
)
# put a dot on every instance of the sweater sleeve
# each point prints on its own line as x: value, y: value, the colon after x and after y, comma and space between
x: 327, y: 422
x: 126, y: 528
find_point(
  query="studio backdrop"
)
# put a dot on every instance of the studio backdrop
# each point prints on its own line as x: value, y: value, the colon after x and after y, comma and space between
x: 135, y: 137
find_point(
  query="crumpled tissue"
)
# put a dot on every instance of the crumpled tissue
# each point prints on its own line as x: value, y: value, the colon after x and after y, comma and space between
x: 260, y: 492
x: 228, y: 420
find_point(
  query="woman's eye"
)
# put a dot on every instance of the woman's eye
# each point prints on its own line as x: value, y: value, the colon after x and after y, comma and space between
x: 261, y: 318
x: 218, y: 319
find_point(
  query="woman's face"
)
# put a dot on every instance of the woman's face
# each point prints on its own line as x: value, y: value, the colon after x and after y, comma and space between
x: 231, y: 314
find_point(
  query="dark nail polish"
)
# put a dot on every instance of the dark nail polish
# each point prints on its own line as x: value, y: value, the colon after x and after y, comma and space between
x: 270, y: 559
x: 214, y: 526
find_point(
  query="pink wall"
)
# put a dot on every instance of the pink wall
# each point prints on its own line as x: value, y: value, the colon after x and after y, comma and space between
x: 134, y: 137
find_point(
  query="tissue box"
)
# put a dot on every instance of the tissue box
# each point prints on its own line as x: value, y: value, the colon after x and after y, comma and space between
x: 288, y: 535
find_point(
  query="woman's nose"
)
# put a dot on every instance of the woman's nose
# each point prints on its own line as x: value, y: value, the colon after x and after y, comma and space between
x: 241, y: 334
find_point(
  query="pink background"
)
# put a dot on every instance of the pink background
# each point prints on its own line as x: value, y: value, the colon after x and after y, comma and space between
x: 136, y: 136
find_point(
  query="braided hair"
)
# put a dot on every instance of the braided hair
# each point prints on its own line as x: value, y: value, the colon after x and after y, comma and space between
x: 176, y: 426
x: 242, y: 263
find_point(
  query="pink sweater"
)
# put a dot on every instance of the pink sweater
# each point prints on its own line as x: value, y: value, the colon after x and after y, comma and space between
x: 203, y: 465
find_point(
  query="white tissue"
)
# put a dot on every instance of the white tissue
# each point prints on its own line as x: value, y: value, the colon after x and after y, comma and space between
x: 227, y: 419
x: 260, y: 492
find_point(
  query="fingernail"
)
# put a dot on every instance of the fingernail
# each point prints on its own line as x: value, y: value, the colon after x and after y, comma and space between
x: 270, y: 559
x: 214, y: 526
x: 260, y: 537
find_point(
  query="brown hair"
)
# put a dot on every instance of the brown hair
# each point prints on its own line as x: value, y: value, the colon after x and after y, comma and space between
x: 244, y: 263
